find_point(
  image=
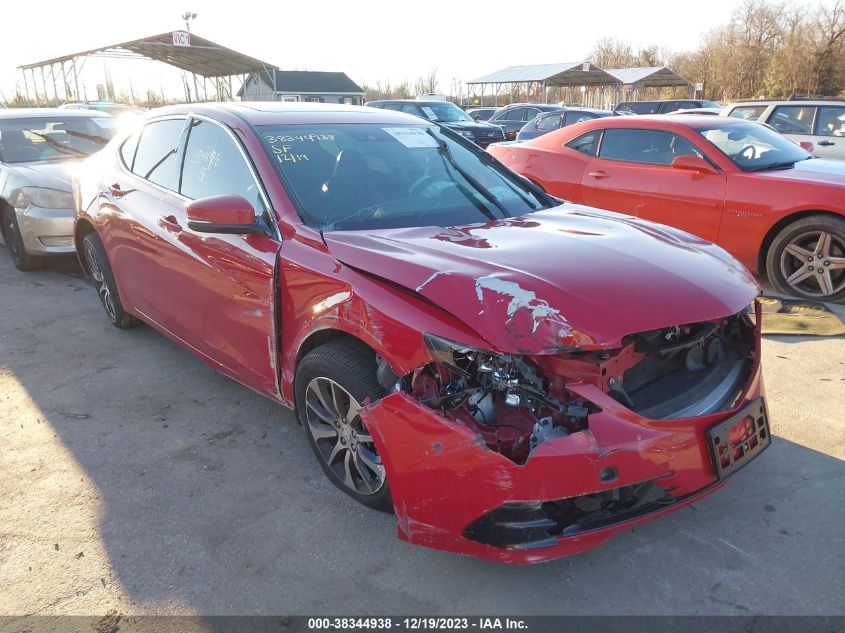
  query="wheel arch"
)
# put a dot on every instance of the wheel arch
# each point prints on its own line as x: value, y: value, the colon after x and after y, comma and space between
x: 781, y: 224
x: 323, y: 336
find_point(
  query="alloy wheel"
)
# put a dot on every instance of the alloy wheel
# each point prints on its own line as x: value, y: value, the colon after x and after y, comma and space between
x: 334, y: 421
x: 813, y: 263
x: 100, y: 280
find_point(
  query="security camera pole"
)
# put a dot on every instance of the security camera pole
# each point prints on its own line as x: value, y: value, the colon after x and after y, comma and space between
x: 189, y: 17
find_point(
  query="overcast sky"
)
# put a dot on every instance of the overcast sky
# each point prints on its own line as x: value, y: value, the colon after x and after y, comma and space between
x: 369, y: 41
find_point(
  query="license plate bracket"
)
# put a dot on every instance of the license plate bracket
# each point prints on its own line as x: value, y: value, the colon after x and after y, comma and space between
x: 729, y: 452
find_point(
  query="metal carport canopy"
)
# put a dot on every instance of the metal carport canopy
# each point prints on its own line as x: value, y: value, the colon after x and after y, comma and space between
x: 648, y: 77
x: 565, y: 74
x: 194, y: 54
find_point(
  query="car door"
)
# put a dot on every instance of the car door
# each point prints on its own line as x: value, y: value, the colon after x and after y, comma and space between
x: 633, y: 173
x: 224, y: 289
x: 795, y: 122
x: 829, y: 137
x: 139, y: 205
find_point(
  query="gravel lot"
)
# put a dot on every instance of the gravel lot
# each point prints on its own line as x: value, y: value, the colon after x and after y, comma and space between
x: 135, y: 479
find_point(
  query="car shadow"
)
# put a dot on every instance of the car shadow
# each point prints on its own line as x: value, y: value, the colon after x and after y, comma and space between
x: 206, y: 500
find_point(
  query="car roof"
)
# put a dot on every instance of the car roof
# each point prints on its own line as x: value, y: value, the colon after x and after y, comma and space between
x: 661, y: 121
x: 417, y: 101
x: 41, y: 113
x: 795, y: 102
x: 278, y: 112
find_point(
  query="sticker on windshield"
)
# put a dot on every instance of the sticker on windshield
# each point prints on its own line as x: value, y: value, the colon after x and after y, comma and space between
x: 411, y: 136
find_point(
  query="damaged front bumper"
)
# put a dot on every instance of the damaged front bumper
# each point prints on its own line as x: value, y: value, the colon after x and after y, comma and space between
x: 451, y: 492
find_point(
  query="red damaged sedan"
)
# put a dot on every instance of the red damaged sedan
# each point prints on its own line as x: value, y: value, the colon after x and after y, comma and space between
x: 515, y: 378
x: 737, y: 183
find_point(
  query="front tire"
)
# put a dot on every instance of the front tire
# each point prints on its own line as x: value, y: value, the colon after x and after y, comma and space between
x: 14, y: 242
x: 101, y: 272
x: 332, y: 384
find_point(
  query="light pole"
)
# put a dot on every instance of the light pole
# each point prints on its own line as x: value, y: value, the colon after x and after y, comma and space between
x: 188, y: 17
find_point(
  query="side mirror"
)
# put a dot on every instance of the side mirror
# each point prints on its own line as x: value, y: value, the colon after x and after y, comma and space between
x: 222, y: 214
x: 691, y: 162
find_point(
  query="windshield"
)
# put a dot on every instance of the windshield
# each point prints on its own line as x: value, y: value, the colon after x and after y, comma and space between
x: 366, y: 176
x: 35, y: 139
x: 754, y: 147
x: 444, y: 112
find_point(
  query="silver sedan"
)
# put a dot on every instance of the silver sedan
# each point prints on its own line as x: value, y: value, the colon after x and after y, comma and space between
x: 39, y: 148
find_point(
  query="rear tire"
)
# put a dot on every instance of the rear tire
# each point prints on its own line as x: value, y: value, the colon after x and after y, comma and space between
x: 332, y: 382
x: 101, y: 272
x: 807, y: 259
x: 14, y: 242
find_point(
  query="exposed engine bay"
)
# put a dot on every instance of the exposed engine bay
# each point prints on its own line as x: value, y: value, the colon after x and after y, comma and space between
x: 515, y: 403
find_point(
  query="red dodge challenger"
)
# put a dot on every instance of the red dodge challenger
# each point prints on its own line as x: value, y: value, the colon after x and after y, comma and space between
x: 736, y: 183
x: 514, y: 377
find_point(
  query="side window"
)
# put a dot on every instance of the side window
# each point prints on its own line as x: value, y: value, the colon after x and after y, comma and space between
x: 547, y: 123
x: 516, y: 114
x: 529, y: 114
x: 793, y: 119
x: 392, y: 106
x: 586, y: 143
x: 577, y: 117
x: 653, y: 147
x: 410, y: 108
x: 747, y: 112
x: 155, y: 158
x: 831, y: 121
x: 214, y: 166
x: 127, y: 150
x: 643, y: 107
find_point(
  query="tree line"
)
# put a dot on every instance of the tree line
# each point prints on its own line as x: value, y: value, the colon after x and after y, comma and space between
x: 770, y: 49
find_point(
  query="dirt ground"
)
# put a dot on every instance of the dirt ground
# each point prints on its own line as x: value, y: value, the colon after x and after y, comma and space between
x: 134, y: 479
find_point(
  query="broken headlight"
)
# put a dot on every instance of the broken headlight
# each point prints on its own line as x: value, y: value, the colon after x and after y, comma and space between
x: 504, y: 397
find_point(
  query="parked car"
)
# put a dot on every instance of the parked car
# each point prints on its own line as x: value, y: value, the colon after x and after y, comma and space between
x: 816, y: 125
x: 662, y: 107
x: 446, y: 114
x: 481, y: 114
x: 512, y: 118
x: 38, y: 150
x: 699, y: 111
x: 549, y: 121
x: 737, y: 183
x: 459, y: 346
x: 113, y: 108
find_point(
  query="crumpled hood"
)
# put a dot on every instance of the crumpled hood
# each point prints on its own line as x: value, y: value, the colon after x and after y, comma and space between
x: 49, y: 174
x: 570, y: 276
